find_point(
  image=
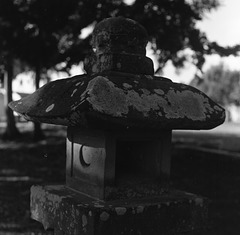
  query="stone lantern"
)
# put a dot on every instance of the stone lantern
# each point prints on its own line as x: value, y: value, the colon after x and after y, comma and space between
x: 120, y: 118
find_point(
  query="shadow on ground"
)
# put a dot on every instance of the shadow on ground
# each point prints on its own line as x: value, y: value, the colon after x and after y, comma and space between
x: 197, y: 167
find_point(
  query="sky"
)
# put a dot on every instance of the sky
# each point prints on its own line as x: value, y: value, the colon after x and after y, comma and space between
x: 221, y: 25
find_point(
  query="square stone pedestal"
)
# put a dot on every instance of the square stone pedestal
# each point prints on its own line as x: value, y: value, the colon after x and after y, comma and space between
x: 72, y: 213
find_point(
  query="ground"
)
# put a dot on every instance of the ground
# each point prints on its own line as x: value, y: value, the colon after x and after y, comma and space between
x: 205, y: 163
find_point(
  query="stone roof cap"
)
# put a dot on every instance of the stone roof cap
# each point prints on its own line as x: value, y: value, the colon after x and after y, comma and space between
x: 118, y: 34
x: 115, y: 100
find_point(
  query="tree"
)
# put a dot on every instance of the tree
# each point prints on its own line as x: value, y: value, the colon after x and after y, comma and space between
x: 7, y: 63
x: 220, y: 84
x: 11, y: 131
x: 30, y: 31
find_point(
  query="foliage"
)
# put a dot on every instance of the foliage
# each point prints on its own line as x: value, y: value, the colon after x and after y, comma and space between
x: 221, y: 84
x: 30, y: 30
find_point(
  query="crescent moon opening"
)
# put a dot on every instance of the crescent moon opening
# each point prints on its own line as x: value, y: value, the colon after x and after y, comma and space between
x: 81, y: 158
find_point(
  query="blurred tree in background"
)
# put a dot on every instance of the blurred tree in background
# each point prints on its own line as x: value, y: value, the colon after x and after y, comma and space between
x: 221, y: 84
x: 48, y: 34
x: 31, y: 31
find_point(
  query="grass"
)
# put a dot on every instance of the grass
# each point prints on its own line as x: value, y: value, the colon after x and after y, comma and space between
x: 205, y: 163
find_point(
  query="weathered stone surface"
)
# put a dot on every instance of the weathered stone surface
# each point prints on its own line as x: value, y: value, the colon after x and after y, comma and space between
x: 119, y: 35
x: 119, y: 44
x: 71, y: 213
x: 136, y: 64
x: 119, y: 165
x: 120, y: 100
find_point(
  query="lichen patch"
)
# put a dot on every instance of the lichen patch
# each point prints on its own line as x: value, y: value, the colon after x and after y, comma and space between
x: 107, y: 98
x: 144, y: 103
x: 79, y: 83
x: 186, y: 104
x: 140, y: 209
x: 120, y: 210
x: 127, y: 86
x: 199, y: 202
x: 84, y: 220
x: 145, y: 91
x: 119, y: 65
x: 49, y: 108
x: 159, y: 91
x: 104, y: 216
x: 217, y: 108
x: 149, y: 77
x: 74, y: 91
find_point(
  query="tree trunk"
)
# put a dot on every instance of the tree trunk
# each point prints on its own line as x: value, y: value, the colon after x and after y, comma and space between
x: 11, y: 131
x: 38, y: 133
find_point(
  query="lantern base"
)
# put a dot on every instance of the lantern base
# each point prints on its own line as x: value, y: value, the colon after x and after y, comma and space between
x: 69, y: 212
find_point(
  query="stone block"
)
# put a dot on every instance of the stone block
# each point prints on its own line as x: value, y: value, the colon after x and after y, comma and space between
x: 69, y: 212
